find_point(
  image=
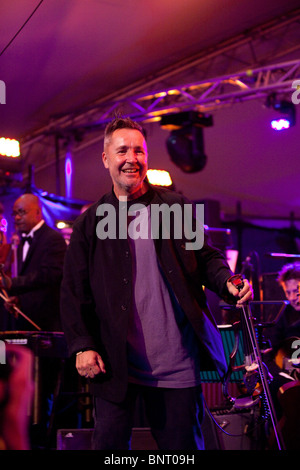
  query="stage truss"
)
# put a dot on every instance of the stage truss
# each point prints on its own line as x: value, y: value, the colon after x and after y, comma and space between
x: 251, y: 66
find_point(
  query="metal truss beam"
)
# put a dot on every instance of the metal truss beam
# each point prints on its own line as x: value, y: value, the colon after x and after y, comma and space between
x: 250, y: 66
x: 210, y: 94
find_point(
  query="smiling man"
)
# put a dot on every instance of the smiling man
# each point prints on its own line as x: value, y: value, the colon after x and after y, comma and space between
x: 133, y: 308
x: 126, y: 157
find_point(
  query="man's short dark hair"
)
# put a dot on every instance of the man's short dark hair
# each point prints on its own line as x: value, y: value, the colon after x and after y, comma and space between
x: 289, y: 271
x: 122, y: 123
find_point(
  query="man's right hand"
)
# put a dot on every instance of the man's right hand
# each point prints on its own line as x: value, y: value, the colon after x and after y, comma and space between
x: 5, y: 281
x: 89, y: 363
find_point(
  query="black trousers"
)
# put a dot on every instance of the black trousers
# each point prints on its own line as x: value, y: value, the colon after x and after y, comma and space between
x: 174, y: 416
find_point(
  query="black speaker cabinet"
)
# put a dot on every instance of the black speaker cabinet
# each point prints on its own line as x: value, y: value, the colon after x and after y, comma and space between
x: 81, y: 439
x: 233, y: 431
x: 236, y: 431
x: 74, y: 439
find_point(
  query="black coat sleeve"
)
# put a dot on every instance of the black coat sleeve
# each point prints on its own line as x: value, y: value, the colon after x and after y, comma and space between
x: 77, y: 304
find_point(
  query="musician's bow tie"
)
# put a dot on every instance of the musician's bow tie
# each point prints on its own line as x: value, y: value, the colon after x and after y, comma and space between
x: 27, y: 239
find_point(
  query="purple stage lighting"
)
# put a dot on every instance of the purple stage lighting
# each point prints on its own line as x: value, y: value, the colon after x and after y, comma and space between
x: 280, y: 124
x: 287, y: 111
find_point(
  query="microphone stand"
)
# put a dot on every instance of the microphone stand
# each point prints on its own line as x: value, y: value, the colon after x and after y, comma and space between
x: 257, y: 359
x: 237, y: 281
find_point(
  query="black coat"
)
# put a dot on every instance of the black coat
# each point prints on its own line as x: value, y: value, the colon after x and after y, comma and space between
x: 38, y: 282
x: 96, y: 294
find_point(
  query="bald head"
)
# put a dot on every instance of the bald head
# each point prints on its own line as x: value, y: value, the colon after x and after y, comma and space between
x: 27, y: 212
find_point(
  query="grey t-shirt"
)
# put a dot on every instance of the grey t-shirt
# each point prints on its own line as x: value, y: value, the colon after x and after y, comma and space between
x: 162, y: 349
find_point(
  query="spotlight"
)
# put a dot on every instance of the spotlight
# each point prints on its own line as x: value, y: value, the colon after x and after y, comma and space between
x: 287, y: 111
x: 185, y: 144
x: 10, y: 158
x: 61, y: 224
x: 159, y: 178
x: 9, y: 147
x: 280, y: 124
x: 65, y: 227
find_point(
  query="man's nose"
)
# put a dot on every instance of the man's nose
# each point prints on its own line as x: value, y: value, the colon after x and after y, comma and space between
x: 131, y: 156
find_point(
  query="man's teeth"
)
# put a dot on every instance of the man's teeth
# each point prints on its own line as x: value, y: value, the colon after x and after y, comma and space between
x: 133, y: 170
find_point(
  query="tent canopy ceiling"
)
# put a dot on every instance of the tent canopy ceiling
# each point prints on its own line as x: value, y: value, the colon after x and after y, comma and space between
x: 74, y: 52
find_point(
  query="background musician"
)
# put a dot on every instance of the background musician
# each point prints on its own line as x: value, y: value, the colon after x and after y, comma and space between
x: 285, y: 334
x: 35, y: 291
x: 40, y: 255
x: 289, y: 322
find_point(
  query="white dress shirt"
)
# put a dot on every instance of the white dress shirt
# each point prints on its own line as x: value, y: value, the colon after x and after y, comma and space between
x: 30, y: 234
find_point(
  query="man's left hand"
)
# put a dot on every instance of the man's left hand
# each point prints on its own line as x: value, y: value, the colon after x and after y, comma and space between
x: 243, y: 295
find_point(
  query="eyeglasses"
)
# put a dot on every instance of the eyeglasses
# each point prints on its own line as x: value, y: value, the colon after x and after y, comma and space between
x: 20, y: 213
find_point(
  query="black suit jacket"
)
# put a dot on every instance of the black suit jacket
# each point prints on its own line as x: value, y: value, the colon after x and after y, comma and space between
x: 97, y: 292
x: 38, y: 282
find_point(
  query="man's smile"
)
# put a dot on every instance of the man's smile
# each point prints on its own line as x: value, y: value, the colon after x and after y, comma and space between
x: 130, y: 170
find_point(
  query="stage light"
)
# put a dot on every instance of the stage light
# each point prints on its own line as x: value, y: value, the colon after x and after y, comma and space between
x: 68, y: 174
x: 66, y: 228
x: 61, y: 224
x: 9, y: 147
x: 10, y: 156
x: 185, y: 144
x: 280, y: 124
x: 159, y: 177
x: 176, y: 121
x: 287, y: 112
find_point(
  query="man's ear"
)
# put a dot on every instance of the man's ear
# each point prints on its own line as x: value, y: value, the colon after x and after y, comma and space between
x: 104, y: 160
